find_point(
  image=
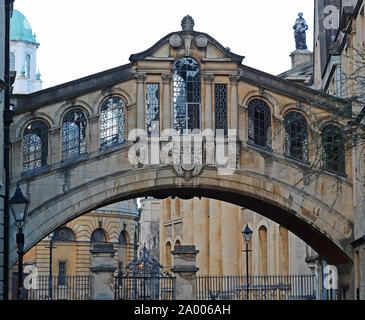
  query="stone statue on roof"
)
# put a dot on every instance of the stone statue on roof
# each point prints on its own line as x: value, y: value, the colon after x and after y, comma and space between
x: 300, y: 27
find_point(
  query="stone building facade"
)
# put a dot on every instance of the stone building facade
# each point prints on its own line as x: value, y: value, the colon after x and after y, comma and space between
x: 215, y: 228
x: 116, y: 224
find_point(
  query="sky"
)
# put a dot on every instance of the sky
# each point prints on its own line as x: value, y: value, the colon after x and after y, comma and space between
x: 81, y: 37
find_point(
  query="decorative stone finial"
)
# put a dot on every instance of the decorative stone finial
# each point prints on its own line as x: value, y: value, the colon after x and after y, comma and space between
x: 38, y: 75
x: 187, y: 23
x: 300, y: 27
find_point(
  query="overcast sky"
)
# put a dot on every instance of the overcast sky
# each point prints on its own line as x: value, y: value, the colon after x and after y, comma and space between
x: 82, y: 37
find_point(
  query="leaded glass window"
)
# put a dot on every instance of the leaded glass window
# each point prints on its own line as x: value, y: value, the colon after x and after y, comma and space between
x: 98, y: 236
x: 186, y: 95
x: 333, y: 143
x: 35, y: 146
x: 63, y: 234
x: 259, y: 123
x: 112, y: 122
x: 296, y: 136
x: 73, y: 134
x: 220, y: 95
x: 152, y: 106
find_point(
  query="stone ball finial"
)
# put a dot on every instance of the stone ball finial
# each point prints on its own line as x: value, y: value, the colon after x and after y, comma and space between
x: 187, y: 23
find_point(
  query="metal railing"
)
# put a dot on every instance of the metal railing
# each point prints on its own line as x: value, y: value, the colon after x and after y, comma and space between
x: 44, y: 287
x: 276, y: 287
x: 144, y: 288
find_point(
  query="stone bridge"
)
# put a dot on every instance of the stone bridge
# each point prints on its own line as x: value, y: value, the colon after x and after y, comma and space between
x: 72, y: 143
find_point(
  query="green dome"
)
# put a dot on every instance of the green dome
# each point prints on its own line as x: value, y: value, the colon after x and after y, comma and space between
x: 20, y: 28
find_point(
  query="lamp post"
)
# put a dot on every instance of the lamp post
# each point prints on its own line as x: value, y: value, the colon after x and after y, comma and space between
x: 51, y: 235
x: 19, y: 207
x: 246, y: 235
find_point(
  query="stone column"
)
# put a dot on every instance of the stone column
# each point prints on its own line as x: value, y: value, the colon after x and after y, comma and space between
x: 208, y: 106
x: 185, y: 270
x: 166, y: 107
x: 140, y: 77
x: 102, y: 268
x: 233, y: 110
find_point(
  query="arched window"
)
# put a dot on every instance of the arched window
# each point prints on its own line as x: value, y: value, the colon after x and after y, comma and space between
x: 296, y: 136
x: 12, y: 61
x: 112, y: 122
x: 187, y: 96
x: 27, y: 65
x: 35, y: 146
x: 98, y: 236
x: 63, y: 234
x: 259, y: 123
x: 73, y: 134
x: 333, y: 143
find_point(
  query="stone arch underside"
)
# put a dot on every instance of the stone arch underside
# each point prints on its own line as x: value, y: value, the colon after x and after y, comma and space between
x: 271, y: 199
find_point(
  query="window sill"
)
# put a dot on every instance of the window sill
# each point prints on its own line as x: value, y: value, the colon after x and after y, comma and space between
x: 75, y: 158
x: 36, y: 170
x: 261, y: 148
x: 302, y: 162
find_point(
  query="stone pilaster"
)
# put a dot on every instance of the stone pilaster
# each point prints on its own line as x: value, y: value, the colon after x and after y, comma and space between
x: 102, y: 268
x: 201, y: 233
x: 94, y: 134
x: 215, y: 245
x: 208, y: 106
x: 166, y: 107
x: 140, y: 77
x: 188, y: 222
x: 16, y: 149
x: 230, y: 234
x: 185, y: 270
x: 233, y: 110
x: 55, y: 146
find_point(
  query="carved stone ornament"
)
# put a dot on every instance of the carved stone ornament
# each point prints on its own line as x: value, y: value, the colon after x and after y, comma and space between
x: 176, y: 40
x: 185, y: 169
x: 188, y: 172
x: 201, y: 41
x: 187, y: 23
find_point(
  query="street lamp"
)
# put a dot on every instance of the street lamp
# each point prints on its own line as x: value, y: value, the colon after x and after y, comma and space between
x: 246, y: 235
x: 19, y: 207
x: 51, y: 235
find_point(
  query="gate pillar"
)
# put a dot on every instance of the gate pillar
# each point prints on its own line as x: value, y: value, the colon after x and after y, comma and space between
x: 185, y: 270
x: 102, y: 268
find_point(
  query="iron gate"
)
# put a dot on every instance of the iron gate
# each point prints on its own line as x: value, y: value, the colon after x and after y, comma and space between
x: 144, y: 279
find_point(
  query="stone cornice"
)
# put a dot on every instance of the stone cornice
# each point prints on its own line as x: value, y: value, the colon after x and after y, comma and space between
x: 73, y: 89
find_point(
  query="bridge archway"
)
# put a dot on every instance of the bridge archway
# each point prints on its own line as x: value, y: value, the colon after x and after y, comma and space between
x: 301, y: 213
